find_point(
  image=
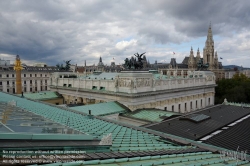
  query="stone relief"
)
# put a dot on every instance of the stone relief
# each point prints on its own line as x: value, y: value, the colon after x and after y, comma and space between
x: 209, y: 78
x: 143, y: 82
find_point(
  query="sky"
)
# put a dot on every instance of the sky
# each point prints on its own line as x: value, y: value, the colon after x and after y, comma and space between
x: 53, y: 31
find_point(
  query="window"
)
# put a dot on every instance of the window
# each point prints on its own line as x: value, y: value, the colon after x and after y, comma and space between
x: 30, y: 75
x: 69, y: 85
x: 173, y: 108
x: 8, y: 90
x: 208, y: 101
x: 45, y: 75
x: 65, y: 85
x: 41, y: 75
x: 24, y: 89
x: 35, y: 88
x: 57, y: 103
x: 30, y: 89
x: 35, y: 75
x: 179, y: 107
x: 0, y: 75
x: 7, y: 75
x: 45, y: 81
x: 165, y: 108
x: 196, y: 104
x: 0, y: 83
x: 30, y: 81
x: 13, y: 90
x: 191, y: 107
x: 41, y: 81
x: 13, y: 83
x: 185, y: 106
x: 24, y: 75
x: 24, y: 82
x: 201, y: 102
x: 45, y: 87
x: 13, y: 75
x: 8, y: 83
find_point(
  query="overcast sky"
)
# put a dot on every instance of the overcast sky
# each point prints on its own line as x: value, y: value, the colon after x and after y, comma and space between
x: 52, y: 31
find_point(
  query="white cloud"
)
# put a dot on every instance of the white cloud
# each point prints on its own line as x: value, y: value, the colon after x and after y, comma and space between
x: 125, y: 44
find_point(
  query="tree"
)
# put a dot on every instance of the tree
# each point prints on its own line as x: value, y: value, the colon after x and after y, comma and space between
x: 236, y: 89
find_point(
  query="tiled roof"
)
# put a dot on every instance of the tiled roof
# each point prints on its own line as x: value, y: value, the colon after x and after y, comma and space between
x: 152, y: 115
x: 130, y: 145
x: 101, y: 109
x: 44, y: 95
x: 124, y: 138
x: 191, y: 159
x: 221, y: 115
x: 234, y: 137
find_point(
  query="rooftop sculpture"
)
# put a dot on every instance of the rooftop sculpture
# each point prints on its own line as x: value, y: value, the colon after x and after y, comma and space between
x: 201, y: 65
x: 66, y: 67
x: 134, y: 63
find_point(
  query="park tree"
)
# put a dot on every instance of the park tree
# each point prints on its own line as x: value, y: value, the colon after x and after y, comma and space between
x: 236, y: 89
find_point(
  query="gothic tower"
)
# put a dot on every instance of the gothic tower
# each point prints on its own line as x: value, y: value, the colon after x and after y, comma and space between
x: 18, y: 69
x: 198, y: 57
x: 208, y: 51
x: 216, y: 62
x: 191, y: 60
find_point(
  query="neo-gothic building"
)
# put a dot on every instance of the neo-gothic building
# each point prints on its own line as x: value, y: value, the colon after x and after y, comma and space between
x: 209, y: 55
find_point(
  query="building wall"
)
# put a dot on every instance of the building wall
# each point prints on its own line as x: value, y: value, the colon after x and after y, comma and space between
x: 32, y: 81
x: 173, y: 94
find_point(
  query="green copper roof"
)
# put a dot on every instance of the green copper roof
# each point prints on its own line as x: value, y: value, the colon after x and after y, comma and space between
x: 152, y: 115
x: 101, y: 109
x: 124, y: 138
x: 44, y: 95
x: 29, y: 136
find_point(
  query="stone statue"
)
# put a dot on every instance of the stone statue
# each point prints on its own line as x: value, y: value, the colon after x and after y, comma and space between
x: 201, y: 66
x: 190, y: 74
x: 175, y: 73
x: 67, y: 66
x: 133, y: 63
x: 168, y: 73
x: 182, y: 73
x: 116, y: 82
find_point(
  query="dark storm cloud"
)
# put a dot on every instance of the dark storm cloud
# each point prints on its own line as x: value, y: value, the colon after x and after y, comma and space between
x: 52, y: 30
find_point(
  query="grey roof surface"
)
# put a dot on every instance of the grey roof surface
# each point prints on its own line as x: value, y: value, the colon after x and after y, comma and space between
x: 221, y: 115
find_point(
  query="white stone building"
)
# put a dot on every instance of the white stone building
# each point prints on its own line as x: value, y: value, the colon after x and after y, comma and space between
x: 139, y: 89
x: 34, y: 78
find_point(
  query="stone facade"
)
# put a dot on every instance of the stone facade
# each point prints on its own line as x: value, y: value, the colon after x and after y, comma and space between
x: 140, y: 90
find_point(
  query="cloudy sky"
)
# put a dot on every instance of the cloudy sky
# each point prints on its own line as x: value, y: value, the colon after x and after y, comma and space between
x: 52, y: 31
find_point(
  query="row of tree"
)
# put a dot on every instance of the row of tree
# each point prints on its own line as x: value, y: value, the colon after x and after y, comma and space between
x: 236, y: 89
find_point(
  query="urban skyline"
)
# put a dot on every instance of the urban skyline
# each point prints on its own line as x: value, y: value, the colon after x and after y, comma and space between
x: 52, y: 31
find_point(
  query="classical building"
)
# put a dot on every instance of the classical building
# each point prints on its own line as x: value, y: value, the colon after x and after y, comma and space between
x: 87, y: 70
x: 33, y: 78
x: 139, y: 89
